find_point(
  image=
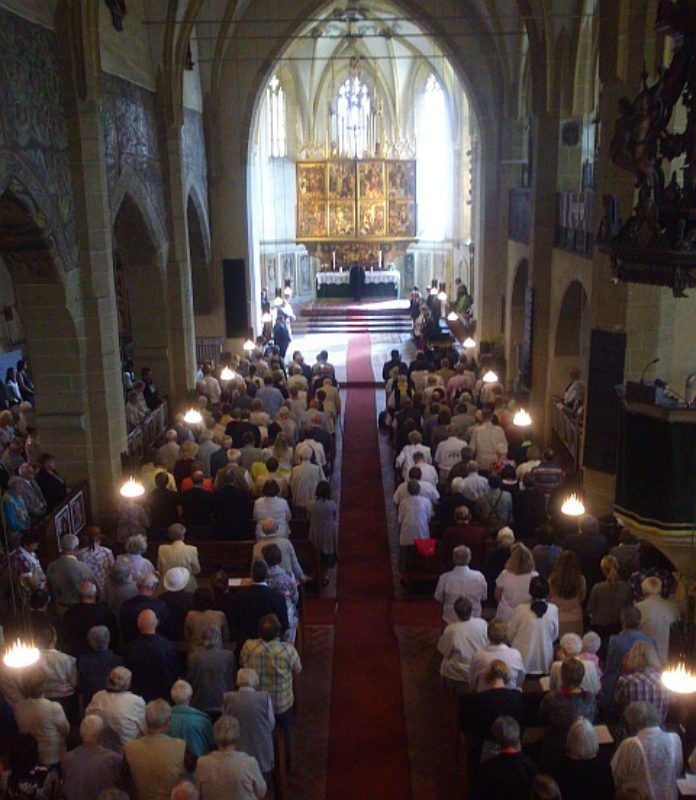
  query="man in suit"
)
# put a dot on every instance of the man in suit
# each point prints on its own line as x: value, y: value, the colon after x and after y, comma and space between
x: 144, y: 600
x: 528, y: 508
x: 197, y: 507
x: 232, y: 504
x: 253, y: 603
x: 357, y: 282
x: 152, y: 659
x: 179, y: 554
x: 53, y: 487
x: 163, y: 505
x: 86, y: 614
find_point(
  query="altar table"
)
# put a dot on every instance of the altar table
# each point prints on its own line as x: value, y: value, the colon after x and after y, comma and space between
x: 378, y: 283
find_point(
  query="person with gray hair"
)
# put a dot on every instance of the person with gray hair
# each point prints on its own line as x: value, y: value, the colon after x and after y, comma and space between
x: 118, y: 588
x: 190, y: 724
x: 228, y: 773
x: 185, y: 791
x: 657, y: 614
x: 66, y: 573
x: 210, y: 671
x: 254, y: 711
x: 179, y: 554
x: 571, y: 647
x: 90, y: 768
x: 462, y: 581
x: 134, y: 557
x: 459, y: 642
x: 79, y: 619
x: 122, y: 711
x: 651, y: 757
x: 95, y: 666
x: 270, y: 534
x: 31, y: 492
x: 510, y: 768
x: 156, y: 762
x: 145, y: 599
x: 43, y: 718
x: 474, y: 485
x: 169, y: 452
x: 581, y: 773
x: 14, y: 509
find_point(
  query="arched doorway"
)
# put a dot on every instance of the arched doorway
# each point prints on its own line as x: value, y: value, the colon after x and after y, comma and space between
x: 519, y: 343
x: 571, y: 346
x: 140, y: 292
x: 36, y: 283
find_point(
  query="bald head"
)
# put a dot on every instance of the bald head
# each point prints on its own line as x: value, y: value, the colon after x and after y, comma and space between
x: 147, y: 622
x: 269, y: 526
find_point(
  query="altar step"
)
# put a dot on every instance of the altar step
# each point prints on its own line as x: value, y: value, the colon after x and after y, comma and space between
x: 353, y: 323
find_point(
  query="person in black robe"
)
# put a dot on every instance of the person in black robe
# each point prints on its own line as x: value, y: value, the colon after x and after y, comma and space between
x: 357, y: 282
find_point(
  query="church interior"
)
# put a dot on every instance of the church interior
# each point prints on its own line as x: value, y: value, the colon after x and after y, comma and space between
x: 347, y: 406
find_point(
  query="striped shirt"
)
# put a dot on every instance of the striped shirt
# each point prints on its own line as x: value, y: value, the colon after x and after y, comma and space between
x: 275, y: 662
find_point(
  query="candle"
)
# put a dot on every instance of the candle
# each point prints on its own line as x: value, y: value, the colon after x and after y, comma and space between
x: 380, y: 260
x: 333, y: 259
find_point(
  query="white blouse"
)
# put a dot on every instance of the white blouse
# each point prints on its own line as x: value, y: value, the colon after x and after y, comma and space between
x: 534, y: 636
x: 515, y: 592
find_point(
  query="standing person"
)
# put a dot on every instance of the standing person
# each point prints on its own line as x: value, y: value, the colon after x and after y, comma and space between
x: 461, y: 582
x: 485, y: 439
x: 582, y: 772
x: 657, y: 615
x: 156, y: 762
x: 651, y: 757
x: 510, y: 773
x: 210, y: 671
x: 98, y: 558
x: 24, y: 381
x: 122, y: 711
x: 459, y: 642
x: 25, y: 777
x: 281, y: 334
x: 44, y: 719
x: 66, y: 573
x: 497, y: 650
x: 14, y: 396
x: 533, y: 628
x: 415, y: 512
x: 188, y: 723
x: 607, y: 600
x: 151, y: 659
x: 512, y: 585
x: 228, y: 773
x: 53, y: 487
x: 642, y: 680
x: 568, y: 590
x: 275, y: 662
x: 254, y: 711
x: 90, y: 768
x: 323, y: 528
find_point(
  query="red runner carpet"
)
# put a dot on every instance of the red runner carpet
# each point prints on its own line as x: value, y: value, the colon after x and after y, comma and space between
x: 368, y: 751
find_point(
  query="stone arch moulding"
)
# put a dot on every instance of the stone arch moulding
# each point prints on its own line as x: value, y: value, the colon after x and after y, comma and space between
x: 567, y: 325
x: 195, y: 195
x: 17, y: 178
x: 130, y: 183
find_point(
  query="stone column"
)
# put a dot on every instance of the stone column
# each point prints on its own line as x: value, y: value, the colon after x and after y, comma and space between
x: 179, y: 289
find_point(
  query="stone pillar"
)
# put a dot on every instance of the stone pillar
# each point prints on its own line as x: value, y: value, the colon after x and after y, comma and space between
x: 179, y: 288
x: 544, y: 132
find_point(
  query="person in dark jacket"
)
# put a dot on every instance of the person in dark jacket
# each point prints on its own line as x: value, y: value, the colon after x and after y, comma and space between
x: 80, y: 618
x: 528, y: 508
x: 281, y: 334
x: 145, y: 599
x: 163, y: 506
x: 511, y: 772
x: 152, y: 659
x: 197, y: 507
x: 254, y: 602
x: 53, y: 487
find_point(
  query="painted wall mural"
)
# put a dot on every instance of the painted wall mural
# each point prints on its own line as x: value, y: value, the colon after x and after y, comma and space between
x: 131, y: 137
x: 34, y: 159
x: 195, y: 164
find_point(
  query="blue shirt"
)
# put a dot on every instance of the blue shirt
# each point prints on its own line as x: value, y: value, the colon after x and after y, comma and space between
x: 619, y: 645
x: 194, y: 727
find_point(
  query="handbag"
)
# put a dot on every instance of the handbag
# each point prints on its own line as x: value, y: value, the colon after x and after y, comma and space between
x: 426, y: 547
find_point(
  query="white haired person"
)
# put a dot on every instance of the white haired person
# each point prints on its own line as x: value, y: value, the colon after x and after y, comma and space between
x: 90, y: 768
x: 462, y: 581
x: 571, y: 646
x: 122, y: 711
x: 43, y: 718
x: 253, y: 709
x: 581, y: 772
x: 211, y: 671
x: 156, y: 761
x: 227, y: 772
x: 651, y: 758
x: 188, y: 723
x: 656, y: 614
x: 134, y: 557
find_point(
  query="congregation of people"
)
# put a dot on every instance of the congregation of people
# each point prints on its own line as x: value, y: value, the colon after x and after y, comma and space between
x: 555, y: 628
x: 151, y: 681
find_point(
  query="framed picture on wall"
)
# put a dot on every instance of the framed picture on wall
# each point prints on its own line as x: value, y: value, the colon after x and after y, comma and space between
x: 77, y: 512
x: 63, y: 523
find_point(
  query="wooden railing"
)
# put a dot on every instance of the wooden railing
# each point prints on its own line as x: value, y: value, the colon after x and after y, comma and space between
x: 209, y: 349
x: 71, y: 516
x: 567, y: 427
x: 519, y: 215
x: 574, y: 221
x: 145, y: 436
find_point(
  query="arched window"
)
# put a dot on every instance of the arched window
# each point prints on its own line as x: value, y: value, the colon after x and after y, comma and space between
x: 354, y: 126
x: 434, y: 163
x: 277, y: 138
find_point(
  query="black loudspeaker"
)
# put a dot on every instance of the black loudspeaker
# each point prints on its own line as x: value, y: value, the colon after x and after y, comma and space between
x: 235, y: 288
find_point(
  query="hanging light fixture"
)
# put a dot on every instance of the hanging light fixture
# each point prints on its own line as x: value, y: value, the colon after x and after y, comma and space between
x: 193, y: 416
x: 20, y: 654
x: 522, y: 419
x: 452, y: 316
x: 679, y: 679
x: 490, y: 377
x: 573, y: 506
x: 468, y: 343
x: 132, y: 488
x: 227, y: 374
x: 248, y: 346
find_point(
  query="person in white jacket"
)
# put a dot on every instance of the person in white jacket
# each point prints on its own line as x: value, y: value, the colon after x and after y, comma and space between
x: 533, y: 628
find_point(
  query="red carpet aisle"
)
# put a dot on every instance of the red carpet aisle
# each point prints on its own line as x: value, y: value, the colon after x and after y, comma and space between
x: 368, y: 752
